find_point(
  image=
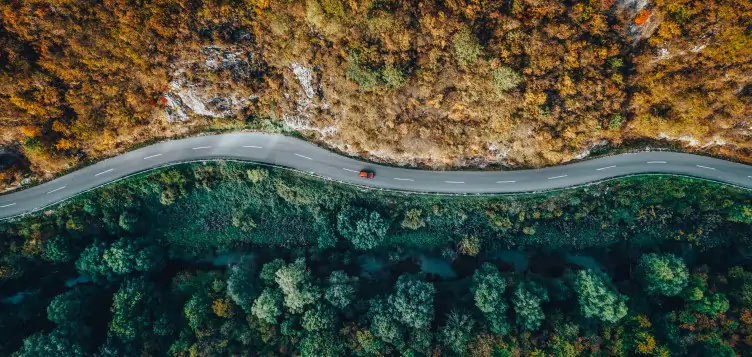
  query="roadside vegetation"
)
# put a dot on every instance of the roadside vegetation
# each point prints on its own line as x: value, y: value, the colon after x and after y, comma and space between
x: 223, y: 259
x: 520, y: 83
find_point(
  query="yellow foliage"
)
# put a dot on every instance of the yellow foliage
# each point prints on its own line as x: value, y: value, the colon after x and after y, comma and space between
x: 642, y: 321
x: 470, y: 246
x: 32, y: 246
x: 64, y: 144
x: 31, y: 131
x: 222, y: 307
x: 645, y: 343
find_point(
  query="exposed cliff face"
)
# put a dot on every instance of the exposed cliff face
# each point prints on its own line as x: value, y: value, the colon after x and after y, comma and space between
x: 216, y: 82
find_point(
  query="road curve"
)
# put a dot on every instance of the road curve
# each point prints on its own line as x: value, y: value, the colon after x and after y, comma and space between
x: 301, y: 155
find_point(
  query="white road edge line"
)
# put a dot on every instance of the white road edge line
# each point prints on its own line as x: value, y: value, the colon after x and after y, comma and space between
x: 104, y: 172
x: 305, y: 157
x: 149, y: 157
x: 656, y: 162
x: 403, y: 179
x: 3, y: 206
x: 57, y: 189
x: 454, y: 181
x: 252, y: 146
x: 506, y: 181
x: 604, y: 168
x: 557, y: 177
x: 705, y: 167
x: 202, y: 147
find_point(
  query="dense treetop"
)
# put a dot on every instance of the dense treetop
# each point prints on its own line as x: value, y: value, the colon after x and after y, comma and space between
x: 246, y: 261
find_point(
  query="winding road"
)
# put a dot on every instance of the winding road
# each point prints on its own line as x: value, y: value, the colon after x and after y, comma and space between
x: 298, y: 154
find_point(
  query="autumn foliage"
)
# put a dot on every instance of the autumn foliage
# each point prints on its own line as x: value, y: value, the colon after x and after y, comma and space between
x: 444, y: 83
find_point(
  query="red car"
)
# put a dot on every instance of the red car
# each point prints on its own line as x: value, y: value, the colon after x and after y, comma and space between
x: 367, y: 174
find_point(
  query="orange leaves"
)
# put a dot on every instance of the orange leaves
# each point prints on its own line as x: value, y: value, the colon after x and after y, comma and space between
x: 31, y: 131
x: 64, y: 144
x: 642, y: 17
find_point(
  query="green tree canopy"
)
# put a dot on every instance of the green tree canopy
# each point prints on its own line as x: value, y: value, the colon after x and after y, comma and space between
x: 488, y: 293
x: 268, y: 306
x: 55, y: 343
x: 365, y: 229
x: 241, y: 284
x: 131, y: 318
x: 597, y: 300
x: 412, y: 302
x: 384, y: 323
x: 268, y: 273
x: 663, y: 274
x: 339, y: 292
x: 58, y: 249
x: 124, y: 256
x: 294, y: 280
x: 322, y: 317
x: 457, y: 332
x: 197, y: 310
x: 527, y: 299
x: 69, y: 306
x: 127, y: 255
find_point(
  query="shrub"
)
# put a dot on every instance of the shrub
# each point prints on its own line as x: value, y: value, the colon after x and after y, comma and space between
x: 366, y: 78
x: 466, y: 47
x: 392, y: 77
x: 615, y: 122
x: 505, y: 79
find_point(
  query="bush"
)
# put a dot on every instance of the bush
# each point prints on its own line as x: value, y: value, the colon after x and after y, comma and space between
x: 466, y: 47
x: 392, y: 76
x: 366, y: 78
x: 505, y: 79
x: 616, y: 122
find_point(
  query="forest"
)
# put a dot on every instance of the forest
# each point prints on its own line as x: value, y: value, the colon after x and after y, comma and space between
x: 231, y: 259
x: 441, y: 83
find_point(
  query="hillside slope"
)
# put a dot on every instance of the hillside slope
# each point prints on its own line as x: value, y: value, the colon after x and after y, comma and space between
x: 518, y: 83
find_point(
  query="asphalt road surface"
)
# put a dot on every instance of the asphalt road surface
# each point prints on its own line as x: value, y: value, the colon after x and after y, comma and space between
x: 298, y: 154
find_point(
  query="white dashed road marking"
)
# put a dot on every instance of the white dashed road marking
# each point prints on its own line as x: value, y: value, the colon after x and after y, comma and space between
x: 604, y: 168
x: 149, y: 157
x: 57, y: 189
x: 656, y: 162
x: 557, y: 177
x: 403, y: 179
x: 305, y: 157
x: 104, y: 172
x: 349, y: 170
x: 705, y: 167
x: 3, y: 206
x: 252, y: 146
x: 506, y: 181
x: 454, y: 181
x: 202, y: 147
